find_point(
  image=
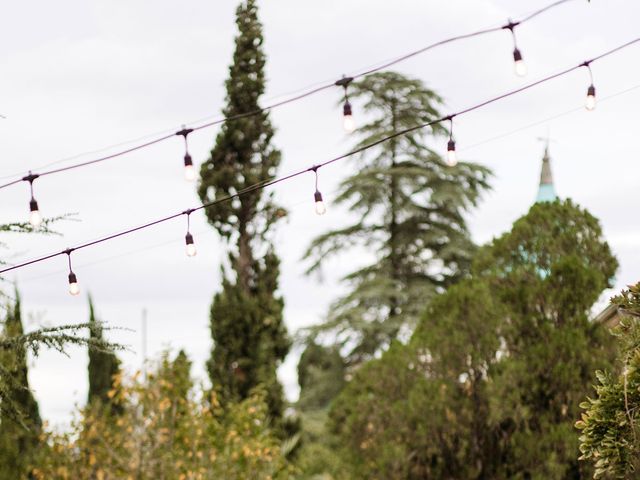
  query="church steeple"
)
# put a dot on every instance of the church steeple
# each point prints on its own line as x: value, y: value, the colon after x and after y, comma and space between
x: 546, y: 191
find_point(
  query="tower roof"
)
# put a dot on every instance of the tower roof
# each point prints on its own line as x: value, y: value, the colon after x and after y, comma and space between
x: 546, y: 191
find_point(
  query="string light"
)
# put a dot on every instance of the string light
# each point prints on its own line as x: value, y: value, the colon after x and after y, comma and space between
x: 189, y: 171
x: 74, y: 288
x: 300, y: 96
x: 518, y: 63
x: 188, y: 239
x: 360, y: 149
x: 347, y: 114
x: 590, y: 102
x: 452, y: 158
x: 35, y: 218
x: 321, y: 209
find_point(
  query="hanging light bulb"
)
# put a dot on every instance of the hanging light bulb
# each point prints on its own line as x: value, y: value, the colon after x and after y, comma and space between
x: 74, y: 288
x: 519, y: 65
x: 591, y: 98
x: 348, y: 123
x: 191, y: 247
x: 189, y: 170
x: 590, y: 102
x: 347, y: 113
x: 320, y: 207
x: 452, y: 158
x: 35, y: 218
x: 188, y: 239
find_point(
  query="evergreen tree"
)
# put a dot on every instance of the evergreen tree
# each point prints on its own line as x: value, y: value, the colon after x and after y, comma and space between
x: 490, y: 384
x: 321, y: 373
x: 422, y: 410
x: 103, y: 365
x: 548, y: 271
x: 610, y: 423
x: 410, y: 208
x: 250, y: 339
x: 20, y: 422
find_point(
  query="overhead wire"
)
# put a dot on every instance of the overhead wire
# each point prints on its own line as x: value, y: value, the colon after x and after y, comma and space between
x: 314, y: 168
x: 510, y: 25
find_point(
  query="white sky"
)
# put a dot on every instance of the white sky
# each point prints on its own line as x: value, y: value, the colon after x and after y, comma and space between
x: 81, y: 75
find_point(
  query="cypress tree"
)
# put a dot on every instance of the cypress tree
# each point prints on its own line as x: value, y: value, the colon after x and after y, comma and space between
x: 249, y: 336
x: 410, y: 209
x: 103, y: 365
x: 20, y: 424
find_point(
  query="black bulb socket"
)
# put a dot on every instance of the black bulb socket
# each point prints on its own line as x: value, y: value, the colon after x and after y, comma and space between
x: 188, y: 239
x: 33, y: 205
x: 187, y: 160
x: 72, y: 278
x: 517, y: 56
x: 346, y: 109
x: 591, y: 91
x: 451, y: 146
x: 317, y: 196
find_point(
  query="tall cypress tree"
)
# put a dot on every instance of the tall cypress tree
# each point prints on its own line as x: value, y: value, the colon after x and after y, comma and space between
x: 249, y: 336
x: 19, y: 430
x: 410, y: 209
x: 103, y: 365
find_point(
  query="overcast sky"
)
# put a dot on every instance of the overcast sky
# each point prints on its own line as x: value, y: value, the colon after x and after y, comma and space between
x: 81, y: 75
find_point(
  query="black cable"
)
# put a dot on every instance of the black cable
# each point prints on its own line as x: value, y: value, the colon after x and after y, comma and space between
x: 295, y: 98
x: 315, y: 167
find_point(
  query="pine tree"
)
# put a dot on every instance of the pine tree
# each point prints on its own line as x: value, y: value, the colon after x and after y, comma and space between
x: 103, y: 365
x: 20, y: 423
x: 491, y: 382
x: 410, y: 208
x: 548, y: 271
x: 249, y: 336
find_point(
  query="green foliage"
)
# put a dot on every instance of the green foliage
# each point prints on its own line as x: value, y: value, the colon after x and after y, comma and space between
x: 491, y: 381
x: 319, y: 458
x: 410, y: 209
x: 243, y: 154
x: 167, y: 430
x: 421, y: 410
x: 103, y: 365
x: 321, y: 373
x: 548, y: 271
x: 20, y: 421
x: 609, y: 422
x: 250, y: 339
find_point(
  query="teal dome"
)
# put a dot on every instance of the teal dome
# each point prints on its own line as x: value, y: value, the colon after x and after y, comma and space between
x: 546, y: 191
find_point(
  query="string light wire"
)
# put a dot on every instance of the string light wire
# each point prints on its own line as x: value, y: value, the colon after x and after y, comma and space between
x: 314, y: 168
x: 295, y: 98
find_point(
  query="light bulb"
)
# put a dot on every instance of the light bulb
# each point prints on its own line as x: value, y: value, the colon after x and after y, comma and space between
x: 74, y: 288
x: 320, y: 207
x: 35, y: 218
x: 519, y: 65
x: 191, y: 247
x: 591, y: 98
x: 189, y: 171
x: 452, y: 159
x: 348, y: 122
